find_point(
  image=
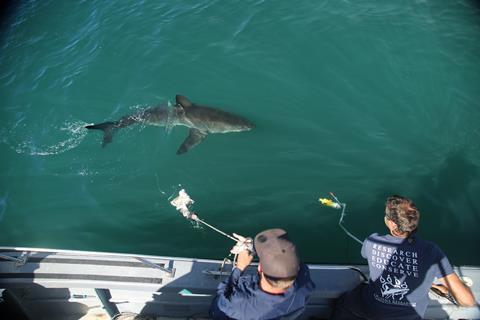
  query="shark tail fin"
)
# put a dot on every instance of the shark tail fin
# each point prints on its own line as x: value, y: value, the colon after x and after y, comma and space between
x: 108, y: 129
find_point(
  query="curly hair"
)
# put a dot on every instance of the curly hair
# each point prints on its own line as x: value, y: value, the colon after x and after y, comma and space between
x: 403, y: 212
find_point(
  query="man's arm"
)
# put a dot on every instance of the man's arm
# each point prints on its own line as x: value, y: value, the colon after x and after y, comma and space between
x: 243, y: 260
x: 462, y: 293
x: 227, y: 304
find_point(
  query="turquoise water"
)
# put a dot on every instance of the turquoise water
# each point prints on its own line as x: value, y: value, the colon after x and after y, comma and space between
x: 362, y: 98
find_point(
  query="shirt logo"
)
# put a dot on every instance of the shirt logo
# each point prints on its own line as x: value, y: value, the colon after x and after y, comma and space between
x: 395, y: 289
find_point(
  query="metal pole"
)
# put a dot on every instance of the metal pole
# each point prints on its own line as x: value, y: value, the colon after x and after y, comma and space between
x: 5, y: 257
x: 170, y: 272
x: 105, y: 296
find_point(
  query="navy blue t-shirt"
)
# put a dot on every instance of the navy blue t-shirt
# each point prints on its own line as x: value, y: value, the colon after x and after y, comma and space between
x: 240, y: 297
x: 401, y: 273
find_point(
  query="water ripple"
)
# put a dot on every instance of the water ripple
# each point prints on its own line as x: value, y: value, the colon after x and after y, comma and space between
x: 73, y: 134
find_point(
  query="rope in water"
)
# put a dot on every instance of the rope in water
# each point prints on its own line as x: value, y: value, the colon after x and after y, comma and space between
x: 215, y: 229
x: 344, y: 206
x: 340, y: 222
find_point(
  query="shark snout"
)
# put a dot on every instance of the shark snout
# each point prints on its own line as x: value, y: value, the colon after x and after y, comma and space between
x: 250, y: 126
x: 245, y: 125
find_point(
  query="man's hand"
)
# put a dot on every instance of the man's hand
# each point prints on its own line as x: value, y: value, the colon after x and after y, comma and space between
x: 244, y: 249
x: 244, y: 259
x: 242, y: 244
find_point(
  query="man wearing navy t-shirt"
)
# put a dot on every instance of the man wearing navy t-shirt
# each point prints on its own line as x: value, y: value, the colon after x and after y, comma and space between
x: 402, y: 269
x: 280, y: 289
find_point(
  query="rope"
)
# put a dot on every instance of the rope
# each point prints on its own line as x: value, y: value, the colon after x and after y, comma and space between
x: 340, y: 222
x: 235, y: 256
x: 344, y: 206
x: 182, y: 203
x: 215, y: 229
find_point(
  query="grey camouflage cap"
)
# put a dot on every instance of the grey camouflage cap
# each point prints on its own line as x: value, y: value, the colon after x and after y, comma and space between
x: 277, y: 254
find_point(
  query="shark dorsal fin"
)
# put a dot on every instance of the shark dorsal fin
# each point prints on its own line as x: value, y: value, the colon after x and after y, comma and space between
x: 183, y: 101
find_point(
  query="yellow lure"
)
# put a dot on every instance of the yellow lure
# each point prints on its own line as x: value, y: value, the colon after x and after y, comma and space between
x: 329, y: 203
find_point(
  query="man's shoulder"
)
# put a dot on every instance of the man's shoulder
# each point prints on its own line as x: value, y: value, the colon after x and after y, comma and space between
x: 431, y: 248
x: 387, y: 239
x: 376, y: 237
x: 427, y: 247
x: 304, y: 271
x: 304, y: 280
x: 248, y: 280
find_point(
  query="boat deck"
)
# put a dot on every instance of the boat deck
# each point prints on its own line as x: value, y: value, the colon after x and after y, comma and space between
x: 65, y: 284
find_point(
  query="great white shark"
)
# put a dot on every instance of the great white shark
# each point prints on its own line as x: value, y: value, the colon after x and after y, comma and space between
x: 201, y: 120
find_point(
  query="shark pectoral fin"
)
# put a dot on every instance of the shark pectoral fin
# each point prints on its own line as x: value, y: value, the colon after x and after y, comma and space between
x: 108, y: 136
x: 195, y: 137
x: 183, y: 101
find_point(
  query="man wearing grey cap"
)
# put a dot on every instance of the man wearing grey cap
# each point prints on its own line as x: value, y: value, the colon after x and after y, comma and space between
x: 280, y: 289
